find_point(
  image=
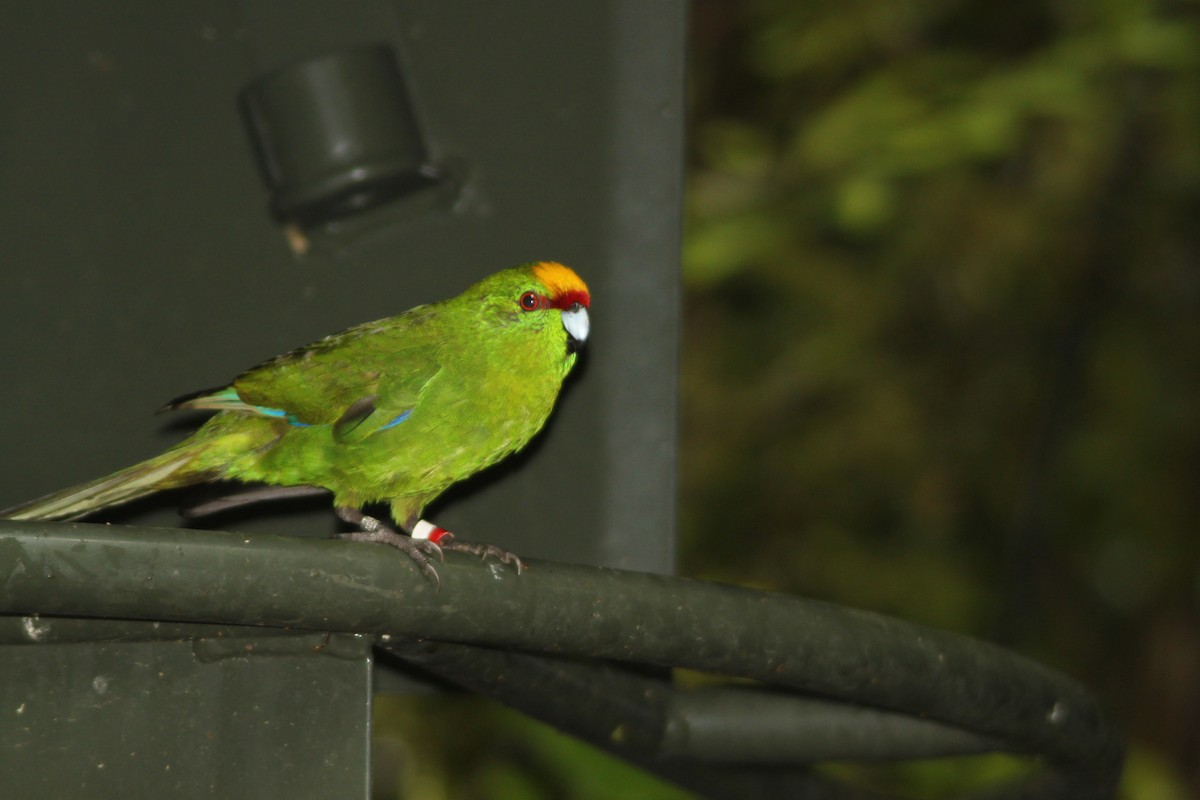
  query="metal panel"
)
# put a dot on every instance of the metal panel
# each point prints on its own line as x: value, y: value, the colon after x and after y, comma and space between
x: 143, y: 260
x: 207, y: 719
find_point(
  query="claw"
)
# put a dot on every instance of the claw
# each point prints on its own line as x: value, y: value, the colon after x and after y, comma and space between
x: 426, y: 540
x: 371, y: 529
x: 448, y: 541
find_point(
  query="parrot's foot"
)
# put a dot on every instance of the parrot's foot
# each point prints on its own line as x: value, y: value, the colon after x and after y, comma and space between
x: 427, y: 531
x: 370, y: 529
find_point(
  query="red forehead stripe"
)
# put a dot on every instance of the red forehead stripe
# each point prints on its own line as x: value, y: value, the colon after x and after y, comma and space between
x: 562, y: 284
x: 570, y: 298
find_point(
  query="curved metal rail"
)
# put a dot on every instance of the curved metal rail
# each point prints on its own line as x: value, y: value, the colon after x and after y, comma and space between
x: 856, y: 685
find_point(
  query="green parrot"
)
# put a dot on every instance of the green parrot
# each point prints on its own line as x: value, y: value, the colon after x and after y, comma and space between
x: 392, y: 411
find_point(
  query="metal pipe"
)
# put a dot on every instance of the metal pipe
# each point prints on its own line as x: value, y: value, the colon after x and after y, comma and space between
x: 77, y: 569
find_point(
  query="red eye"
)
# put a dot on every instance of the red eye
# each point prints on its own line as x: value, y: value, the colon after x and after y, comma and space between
x: 529, y: 301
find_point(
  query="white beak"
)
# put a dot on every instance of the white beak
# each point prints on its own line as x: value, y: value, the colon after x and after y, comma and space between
x: 575, y: 320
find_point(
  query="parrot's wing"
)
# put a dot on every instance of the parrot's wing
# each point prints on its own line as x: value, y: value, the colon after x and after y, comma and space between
x: 367, y: 415
x: 337, y: 380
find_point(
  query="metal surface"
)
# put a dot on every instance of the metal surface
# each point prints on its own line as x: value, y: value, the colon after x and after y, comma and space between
x: 227, y: 718
x: 835, y: 653
x: 336, y: 134
x: 144, y: 260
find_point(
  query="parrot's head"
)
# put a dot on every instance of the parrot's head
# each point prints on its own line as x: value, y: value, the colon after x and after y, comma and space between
x: 563, y: 291
x: 544, y: 299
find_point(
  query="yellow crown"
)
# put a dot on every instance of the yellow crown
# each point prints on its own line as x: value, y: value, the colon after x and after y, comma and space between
x: 561, y: 280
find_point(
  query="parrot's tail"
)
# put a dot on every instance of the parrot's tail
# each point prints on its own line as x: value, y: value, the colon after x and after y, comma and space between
x: 165, y: 471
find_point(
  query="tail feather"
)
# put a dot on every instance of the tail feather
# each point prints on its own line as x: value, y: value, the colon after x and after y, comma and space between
x: 165, y: 471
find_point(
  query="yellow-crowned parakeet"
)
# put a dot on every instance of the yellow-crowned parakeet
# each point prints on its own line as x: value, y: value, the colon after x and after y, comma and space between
x: 391, y: 411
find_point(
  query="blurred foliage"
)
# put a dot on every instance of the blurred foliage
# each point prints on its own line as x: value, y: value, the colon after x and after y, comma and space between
x: 963, y: 776
x: 461, y: 747
x: 942, y: 343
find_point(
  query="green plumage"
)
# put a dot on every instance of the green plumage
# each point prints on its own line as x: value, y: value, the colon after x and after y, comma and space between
x: 391, y: 411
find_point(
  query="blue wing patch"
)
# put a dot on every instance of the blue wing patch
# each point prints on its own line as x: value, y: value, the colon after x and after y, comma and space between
x: 280, y: 414
x: 397, y: 420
